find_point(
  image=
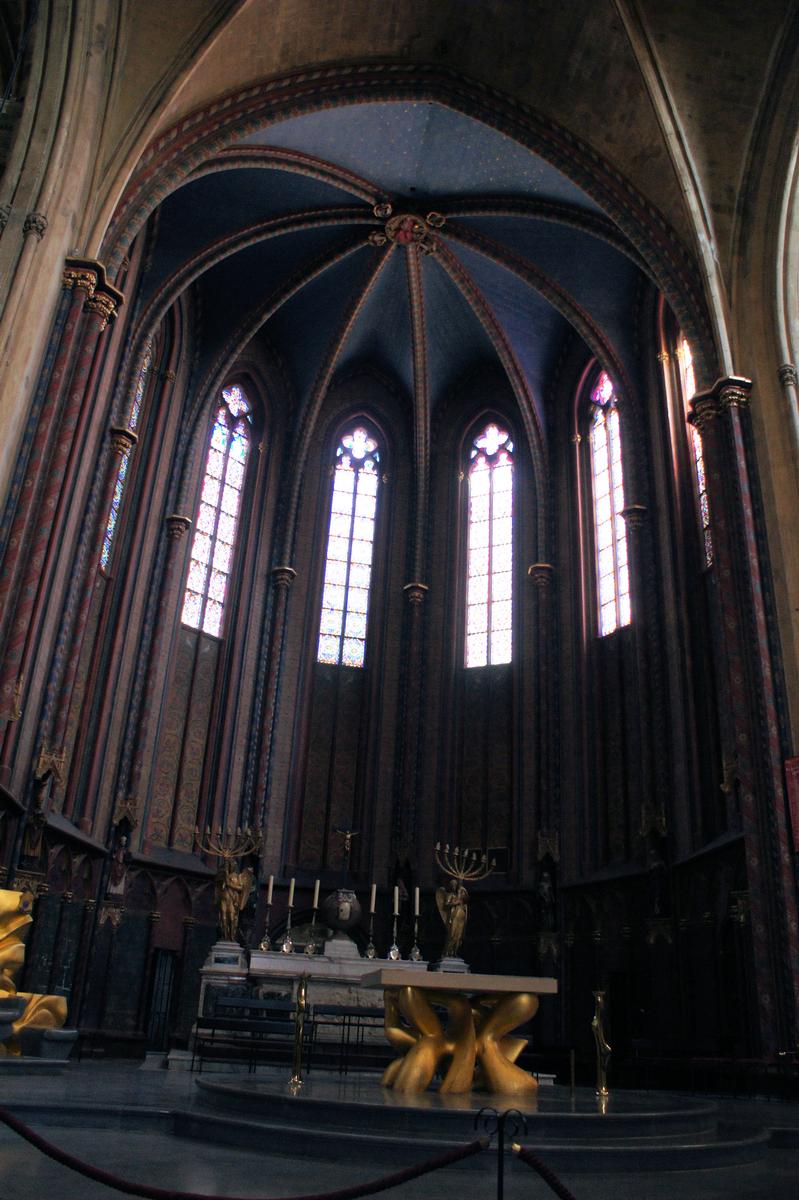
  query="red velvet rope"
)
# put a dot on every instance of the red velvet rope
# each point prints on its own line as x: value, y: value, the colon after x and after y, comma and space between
x: 156, y: 1193
x: 546, y: 1174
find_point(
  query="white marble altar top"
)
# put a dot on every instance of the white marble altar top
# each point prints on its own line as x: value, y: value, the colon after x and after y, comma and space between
x: 460, y: 981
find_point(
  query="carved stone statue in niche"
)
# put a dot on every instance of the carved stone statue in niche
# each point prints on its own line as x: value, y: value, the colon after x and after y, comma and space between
x: 546, y: 899
x: 119, y: 868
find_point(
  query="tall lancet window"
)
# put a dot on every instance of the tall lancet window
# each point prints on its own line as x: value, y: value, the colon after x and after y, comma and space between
x: 489, y: 586
x: 688, y: 386
x: 122, y: 473
x: 350, y: 543
x: 610, y: 533
x: 218, y: 514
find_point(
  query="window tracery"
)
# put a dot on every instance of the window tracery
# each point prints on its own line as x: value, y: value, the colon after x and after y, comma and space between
x: 610, y: 533
x: 489, y: 585
x: 214, y: 541
x: 350, y: 545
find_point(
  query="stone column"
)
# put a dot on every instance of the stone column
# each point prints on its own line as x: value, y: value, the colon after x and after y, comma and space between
x: 176, y: 527
x: 282, y: 579
x: 100, y: 305
x: 21, y: 563
x: 748, y: 700
x: 122, y: 442
x: 542, y: 575
x: 403, y: 833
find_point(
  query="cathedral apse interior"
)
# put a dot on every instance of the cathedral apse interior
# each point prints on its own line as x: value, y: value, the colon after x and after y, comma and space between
x: 401, y: 437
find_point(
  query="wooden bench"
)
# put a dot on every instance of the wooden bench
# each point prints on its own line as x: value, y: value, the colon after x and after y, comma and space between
x: 248, y: 1030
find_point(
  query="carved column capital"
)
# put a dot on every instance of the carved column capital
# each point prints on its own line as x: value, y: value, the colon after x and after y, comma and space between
x: 734, y: 392
x: 634, y: 515
x: 122, y: 440
x: 415, y: 592
x: 105, y: 303
x: 35, y: 223
x: 176, y: 526
x: 705, y: 408
x: 787, y: 375
x: 75, y: 275
x: 283, y: 576
x: 542, y: 574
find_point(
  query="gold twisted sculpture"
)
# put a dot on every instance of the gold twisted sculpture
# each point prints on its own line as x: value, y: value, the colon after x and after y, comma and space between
x: 475, y: 1042
x: 40, y: 1012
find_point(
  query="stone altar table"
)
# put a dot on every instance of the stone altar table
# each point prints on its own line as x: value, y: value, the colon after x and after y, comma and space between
x: 483, y: 1011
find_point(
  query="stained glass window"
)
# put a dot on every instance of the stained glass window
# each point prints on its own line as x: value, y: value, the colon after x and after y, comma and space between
x: 688, y: 385
x: 612, y: 570
x: 217, y: 514
x: 116, y: 500
x: 350, y: 541
x: 489, y: 585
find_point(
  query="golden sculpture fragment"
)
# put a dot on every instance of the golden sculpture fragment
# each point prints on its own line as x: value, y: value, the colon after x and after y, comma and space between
x: 40, y: 1011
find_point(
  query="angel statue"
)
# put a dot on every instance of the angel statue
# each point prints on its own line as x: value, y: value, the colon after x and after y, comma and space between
x: 232, y: 893
x: 233, y: 886
x: 451, y: 901
x: 461, y: 866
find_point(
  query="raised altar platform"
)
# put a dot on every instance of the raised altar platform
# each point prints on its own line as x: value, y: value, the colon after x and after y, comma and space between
x: 332, y: 1116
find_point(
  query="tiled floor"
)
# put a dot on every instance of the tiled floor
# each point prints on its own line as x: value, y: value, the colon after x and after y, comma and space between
x: 154, y: 1156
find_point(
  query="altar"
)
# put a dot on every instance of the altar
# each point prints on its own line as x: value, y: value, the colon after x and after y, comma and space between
x: 477, y: 1045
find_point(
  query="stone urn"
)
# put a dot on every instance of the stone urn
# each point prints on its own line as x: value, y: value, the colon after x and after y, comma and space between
x: 341, y: 910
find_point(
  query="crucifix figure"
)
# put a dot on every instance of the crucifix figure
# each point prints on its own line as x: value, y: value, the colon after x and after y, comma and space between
x: 348, y: 834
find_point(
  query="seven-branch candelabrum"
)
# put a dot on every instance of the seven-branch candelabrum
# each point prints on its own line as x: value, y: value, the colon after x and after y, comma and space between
x: 465, y: 865
x: 228, y: 843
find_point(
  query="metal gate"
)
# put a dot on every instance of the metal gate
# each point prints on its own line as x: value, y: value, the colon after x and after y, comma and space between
x: 160, y: 1006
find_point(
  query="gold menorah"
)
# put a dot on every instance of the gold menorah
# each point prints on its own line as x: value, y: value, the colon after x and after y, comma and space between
x: 232, y: 887
x: 228, y: 843
x: 464, y: 864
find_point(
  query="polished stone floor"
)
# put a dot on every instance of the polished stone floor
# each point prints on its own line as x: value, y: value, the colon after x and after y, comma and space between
x: 144, y: 1150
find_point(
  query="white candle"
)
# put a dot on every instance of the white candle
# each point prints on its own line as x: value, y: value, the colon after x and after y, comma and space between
x: 269, y: 887
x: 291, y: 894
x: 416, y: 902
x: 396, y: 901
x: 372, y: 898
x: 316, y: 894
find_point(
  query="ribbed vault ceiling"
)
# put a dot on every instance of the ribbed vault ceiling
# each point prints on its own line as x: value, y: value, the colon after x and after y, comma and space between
x: 295, y: 236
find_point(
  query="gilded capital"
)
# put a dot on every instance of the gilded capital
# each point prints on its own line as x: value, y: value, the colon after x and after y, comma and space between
x: 176, y: 526
x: 75, y: 276
x: 415, y: 592
x: 122, y: 440
x: 542, y: 574
x: 104, y: 305
x: 283, y: 576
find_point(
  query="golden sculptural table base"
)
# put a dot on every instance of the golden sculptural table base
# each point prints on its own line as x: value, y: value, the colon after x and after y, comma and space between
x: 476, y: 1043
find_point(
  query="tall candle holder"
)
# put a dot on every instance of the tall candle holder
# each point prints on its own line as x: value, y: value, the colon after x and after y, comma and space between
x: 266, y: 943
x: 287, y: 945
x: 394, y: 950
x: 415, y: 954
x: 371, y: 949
x: 310, y: 945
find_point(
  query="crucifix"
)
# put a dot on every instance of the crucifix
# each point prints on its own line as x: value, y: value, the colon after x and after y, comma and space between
x: 348, y: 834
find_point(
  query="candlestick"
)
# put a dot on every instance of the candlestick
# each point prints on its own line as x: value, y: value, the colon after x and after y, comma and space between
x: 291, y: 894
x: 316, y: 895
x: 372, y: 898
x: 270, y: 885
x: 265, y: 942
x: 371, y: 950
x: 416, y: 902
x: 287, y: 945
x: 310, y: 945
x: 416, y: 954
x: 396, y: 901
